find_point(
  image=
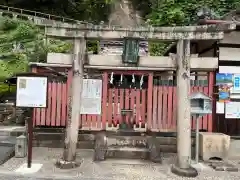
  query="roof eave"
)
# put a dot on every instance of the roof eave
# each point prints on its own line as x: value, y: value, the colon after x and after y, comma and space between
x: 207, y: 22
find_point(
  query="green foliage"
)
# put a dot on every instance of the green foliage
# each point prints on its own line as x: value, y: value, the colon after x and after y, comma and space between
x: 30, y: 37
x: 157, y: 49
x: 156, y: 12
x: 5, y: 88
x: 159, y: 12
x: 183, y: 12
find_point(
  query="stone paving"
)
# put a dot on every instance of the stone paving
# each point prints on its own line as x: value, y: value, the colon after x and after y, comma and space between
x: 109, y: 169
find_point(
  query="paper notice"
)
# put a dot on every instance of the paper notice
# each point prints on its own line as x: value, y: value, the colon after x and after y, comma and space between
x: 220, y: 108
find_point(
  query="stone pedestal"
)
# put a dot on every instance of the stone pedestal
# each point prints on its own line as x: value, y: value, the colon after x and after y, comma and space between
x: 21, y: 146
x: 186, y: 172
x: 234, y: 149
x: 213, y: 145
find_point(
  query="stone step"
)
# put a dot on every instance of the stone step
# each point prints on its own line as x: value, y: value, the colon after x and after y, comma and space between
x: 7, y: 148
x: 12, y: 130
x: 43, y: 136
x: 7, y: 140
x: 6, y: 152
x: 90, y: 145
x: 126, y: 147
x: 223, y: 166
x: 86, y: 141
x: 127, y: 152
x: 60, y: 144
x: 5, y: 133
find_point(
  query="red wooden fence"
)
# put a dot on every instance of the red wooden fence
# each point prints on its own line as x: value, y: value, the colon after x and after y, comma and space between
x: 165, y: 108
x: 155, y: 106
x: 56, y: 112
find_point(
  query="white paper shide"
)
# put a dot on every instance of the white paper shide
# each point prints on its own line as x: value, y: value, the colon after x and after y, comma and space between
x: 31, y: 92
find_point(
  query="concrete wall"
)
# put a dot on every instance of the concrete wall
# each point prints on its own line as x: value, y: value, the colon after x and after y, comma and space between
x: 231, y: 38
x: 230, y: 54
x: 154, y: 62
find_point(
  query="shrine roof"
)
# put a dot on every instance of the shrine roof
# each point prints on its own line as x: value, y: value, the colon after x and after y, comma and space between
x: 228, y: 18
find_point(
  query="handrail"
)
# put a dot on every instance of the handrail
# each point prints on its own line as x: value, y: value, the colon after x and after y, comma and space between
x: 26, y: 12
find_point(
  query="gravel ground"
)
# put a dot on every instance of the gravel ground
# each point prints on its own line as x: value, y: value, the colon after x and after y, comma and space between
x: 202, y: 176
x: 109, y: 169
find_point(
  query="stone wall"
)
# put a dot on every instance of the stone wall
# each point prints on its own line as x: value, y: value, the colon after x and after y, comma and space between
x: 9, y: 113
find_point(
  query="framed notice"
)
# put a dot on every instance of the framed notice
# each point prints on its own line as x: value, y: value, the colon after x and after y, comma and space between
x: 91, y: 97
x: 232, y: 110
x: 31, y: 92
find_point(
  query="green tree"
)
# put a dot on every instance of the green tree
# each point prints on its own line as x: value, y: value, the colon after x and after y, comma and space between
x: 182, y: 12
x: 156, y: 12
x: 22, y: 42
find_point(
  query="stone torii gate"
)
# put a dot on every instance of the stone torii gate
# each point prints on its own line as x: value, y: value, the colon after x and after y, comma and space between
x: 182, y: 63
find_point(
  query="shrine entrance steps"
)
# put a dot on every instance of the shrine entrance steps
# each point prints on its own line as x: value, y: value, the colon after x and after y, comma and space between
x: 120, y: 144
x: 128, y: 145
x: 54, y: 138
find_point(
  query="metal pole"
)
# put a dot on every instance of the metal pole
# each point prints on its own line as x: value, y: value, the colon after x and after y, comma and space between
x: 30, y: 138
x: 197, y: 140
x: 182, y: 167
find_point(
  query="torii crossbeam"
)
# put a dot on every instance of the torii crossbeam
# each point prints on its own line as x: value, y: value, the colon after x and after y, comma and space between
x: 146, y: 33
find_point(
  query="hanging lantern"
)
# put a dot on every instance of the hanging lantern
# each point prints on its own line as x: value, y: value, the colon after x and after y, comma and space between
x: 130, y: 51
